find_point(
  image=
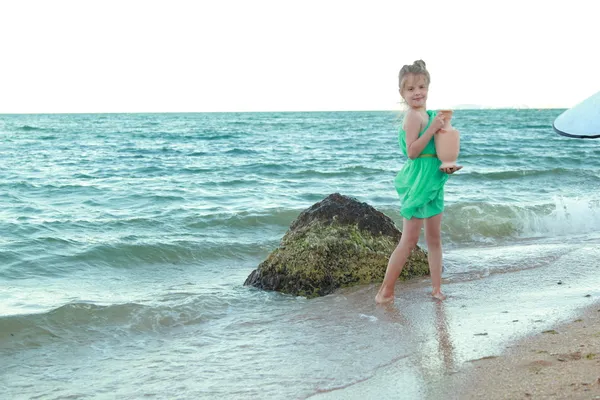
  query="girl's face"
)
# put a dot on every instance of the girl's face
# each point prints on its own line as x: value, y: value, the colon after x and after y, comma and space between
x: 414, y: 91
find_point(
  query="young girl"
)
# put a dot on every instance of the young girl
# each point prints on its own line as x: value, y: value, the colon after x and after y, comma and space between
x: 420, y: 183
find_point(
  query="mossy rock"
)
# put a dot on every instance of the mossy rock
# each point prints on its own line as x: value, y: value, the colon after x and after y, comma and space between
x: 337, y: 242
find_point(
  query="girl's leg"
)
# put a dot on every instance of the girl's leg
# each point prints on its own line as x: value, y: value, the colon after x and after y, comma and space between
x: 433, y: 236
x: 411, y: 228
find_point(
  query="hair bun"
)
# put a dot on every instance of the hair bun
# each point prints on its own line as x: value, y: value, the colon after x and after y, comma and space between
x: 420, y: 63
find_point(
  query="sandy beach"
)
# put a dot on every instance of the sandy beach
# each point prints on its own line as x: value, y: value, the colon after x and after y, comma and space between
x: 559, y: 363
x: 537, y: 340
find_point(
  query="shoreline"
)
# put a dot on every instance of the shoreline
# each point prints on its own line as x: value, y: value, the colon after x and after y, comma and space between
x: 486, y: 341
x: 558, y: 363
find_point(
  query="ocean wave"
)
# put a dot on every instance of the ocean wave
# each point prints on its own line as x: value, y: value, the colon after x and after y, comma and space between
x: 218, y: 137
x: 232, y: 184
x: 485, y: 222
x: 28, y: 128
x: 85, y: 322
x: 126, y: 255
x: 241, y: 152
x: 56, y: 257
x: 532, y: 173
x: 463, y: 222
x: 251, y: 235
x: 339, y: 173
x: 133, y: 255
x: 158, y: 198
x: 245, y: 219
x: 44, y: 189
x: 196, y: 170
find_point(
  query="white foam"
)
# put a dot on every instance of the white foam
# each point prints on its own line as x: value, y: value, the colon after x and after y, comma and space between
x: 571, y: 216
x: 371, y: 318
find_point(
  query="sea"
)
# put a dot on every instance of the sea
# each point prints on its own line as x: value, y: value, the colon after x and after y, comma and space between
x: 126, y: 240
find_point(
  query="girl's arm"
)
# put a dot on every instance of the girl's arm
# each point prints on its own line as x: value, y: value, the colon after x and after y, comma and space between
x: 412, y: 127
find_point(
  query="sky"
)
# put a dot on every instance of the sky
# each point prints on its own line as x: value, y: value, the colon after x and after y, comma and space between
x: 288, y: 55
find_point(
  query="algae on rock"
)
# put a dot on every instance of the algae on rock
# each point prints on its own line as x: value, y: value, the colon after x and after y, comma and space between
x: 337, y: 242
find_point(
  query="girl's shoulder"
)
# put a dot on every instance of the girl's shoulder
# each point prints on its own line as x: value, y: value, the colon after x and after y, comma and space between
x: 415, y: 116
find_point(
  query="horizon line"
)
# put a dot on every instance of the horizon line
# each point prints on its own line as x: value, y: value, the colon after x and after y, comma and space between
x: 474, y: 108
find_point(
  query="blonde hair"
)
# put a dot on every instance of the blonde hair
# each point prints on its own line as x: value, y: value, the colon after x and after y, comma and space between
x: 417, y: 68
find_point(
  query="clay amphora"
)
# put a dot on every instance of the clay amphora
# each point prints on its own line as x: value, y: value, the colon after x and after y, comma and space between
x: 447, y: 143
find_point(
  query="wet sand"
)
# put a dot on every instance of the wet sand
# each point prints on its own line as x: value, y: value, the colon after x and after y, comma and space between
x: 558, y: 363
x: 487, y: 340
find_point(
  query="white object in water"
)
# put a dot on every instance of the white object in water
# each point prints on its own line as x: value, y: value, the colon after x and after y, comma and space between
x: 581, y: 121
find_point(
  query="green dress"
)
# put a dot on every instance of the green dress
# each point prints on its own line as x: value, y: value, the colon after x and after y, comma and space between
x: 420, y: 183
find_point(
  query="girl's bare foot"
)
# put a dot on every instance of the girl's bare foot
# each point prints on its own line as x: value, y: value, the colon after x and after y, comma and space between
x: 381, y: 299
x: 438, y: 295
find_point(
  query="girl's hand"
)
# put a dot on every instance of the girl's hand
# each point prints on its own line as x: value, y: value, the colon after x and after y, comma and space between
x: 438, y: 123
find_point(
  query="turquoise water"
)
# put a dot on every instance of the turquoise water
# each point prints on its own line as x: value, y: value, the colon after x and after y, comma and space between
x: 126, y: 239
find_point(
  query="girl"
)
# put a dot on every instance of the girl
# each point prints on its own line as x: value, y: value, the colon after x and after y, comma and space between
x: 420, y: 183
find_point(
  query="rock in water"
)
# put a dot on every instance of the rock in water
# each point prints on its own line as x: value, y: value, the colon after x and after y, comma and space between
x: 335, y: 243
